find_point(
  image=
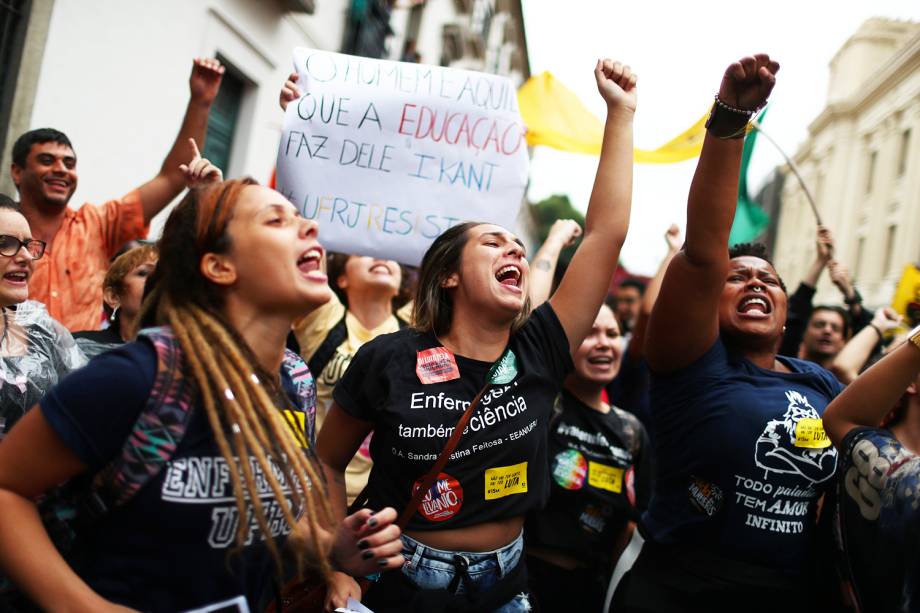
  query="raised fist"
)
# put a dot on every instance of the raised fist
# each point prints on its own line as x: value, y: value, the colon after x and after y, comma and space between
x: 840, y: 276
x: 616, y: 83
x: 748, y: 82
x: 204, y: 82
x: 565, y: 232
x: 825, y: 243
x: 886, y: 319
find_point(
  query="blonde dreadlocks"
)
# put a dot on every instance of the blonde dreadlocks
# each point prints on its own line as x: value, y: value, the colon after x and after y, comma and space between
x: 241, y: 401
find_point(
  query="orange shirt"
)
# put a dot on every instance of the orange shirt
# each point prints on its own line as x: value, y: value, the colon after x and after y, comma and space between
x: 68, y: 279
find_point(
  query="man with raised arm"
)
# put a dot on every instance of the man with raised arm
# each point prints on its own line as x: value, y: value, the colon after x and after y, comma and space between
x: 81, y: 242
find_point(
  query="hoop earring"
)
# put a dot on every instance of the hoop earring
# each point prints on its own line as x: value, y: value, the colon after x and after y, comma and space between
x: 113, y: 315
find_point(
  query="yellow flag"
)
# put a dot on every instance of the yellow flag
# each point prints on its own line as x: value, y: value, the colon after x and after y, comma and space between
x: 556, y: 118
x: 907, y: 295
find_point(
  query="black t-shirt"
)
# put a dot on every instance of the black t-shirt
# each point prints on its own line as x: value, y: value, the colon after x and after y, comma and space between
x: 879, y: 513
x: 600, y: 465
x: 169, y: 547
x: 498, y: 469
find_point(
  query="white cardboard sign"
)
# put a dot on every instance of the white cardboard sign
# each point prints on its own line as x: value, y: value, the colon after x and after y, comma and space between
x: 387, y: 155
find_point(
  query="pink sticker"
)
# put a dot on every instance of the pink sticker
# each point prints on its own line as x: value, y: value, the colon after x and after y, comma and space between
x: 436, y: 365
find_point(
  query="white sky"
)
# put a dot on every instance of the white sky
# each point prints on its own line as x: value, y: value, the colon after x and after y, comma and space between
x: 679, y: 49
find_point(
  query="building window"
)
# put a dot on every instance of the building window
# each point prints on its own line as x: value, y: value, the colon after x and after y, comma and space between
x: 902, y: 154
x: 870, y: 171
x: 223, y: 118
x: 14, y: 18
x: 889, y: 249
x: 367, y: 28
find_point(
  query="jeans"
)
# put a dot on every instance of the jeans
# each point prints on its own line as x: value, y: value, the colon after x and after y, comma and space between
x: 463, y: 571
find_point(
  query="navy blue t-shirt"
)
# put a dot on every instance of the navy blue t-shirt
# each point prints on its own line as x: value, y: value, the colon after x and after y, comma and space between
x: 742, y: 458
x: 169, y: 547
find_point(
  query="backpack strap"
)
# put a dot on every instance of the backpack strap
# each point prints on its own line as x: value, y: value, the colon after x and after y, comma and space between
x: 326, y: 350
x: 164, y: 420
x: 159, y: 427
x: 294, y: 368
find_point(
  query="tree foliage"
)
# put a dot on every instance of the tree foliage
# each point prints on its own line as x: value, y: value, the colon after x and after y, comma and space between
x: 546, y: 212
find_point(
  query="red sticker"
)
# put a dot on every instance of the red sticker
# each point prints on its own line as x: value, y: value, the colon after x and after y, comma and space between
x: 436, y: 365
x: 443, y: 500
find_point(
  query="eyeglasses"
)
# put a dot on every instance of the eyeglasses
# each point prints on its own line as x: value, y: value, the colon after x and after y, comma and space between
x: 10, y: 246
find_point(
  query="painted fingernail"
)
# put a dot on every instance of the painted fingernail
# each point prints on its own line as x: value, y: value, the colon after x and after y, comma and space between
x: 363, y: 544
x: 372, y: 522
x: 382, y: 562
x: 367, y: 555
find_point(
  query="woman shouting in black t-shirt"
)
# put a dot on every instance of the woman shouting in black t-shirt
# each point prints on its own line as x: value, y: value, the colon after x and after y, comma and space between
x: 471, y: 312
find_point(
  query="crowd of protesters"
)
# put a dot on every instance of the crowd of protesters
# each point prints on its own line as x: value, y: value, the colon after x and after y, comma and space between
x: 266, y: 426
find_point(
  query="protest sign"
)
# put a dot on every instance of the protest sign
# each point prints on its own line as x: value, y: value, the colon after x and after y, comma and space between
x: 387, y: 155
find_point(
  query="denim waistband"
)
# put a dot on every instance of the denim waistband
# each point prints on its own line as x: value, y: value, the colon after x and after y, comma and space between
x: 506, y: 557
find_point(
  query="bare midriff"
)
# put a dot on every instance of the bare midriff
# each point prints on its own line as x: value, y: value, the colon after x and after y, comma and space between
x: 487, y: 536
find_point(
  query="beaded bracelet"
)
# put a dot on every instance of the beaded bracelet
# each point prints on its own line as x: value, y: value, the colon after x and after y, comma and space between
x: 726, y: 121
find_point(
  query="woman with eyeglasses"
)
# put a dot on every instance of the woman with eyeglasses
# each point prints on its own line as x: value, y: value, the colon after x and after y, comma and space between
x: 35, y: 350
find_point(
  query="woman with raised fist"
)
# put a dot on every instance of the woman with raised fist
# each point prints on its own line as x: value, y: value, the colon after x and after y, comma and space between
x: 477, y: 344
x: 741, y: 457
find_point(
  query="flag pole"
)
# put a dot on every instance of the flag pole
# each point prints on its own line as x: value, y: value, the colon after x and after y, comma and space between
x: 793, y: 168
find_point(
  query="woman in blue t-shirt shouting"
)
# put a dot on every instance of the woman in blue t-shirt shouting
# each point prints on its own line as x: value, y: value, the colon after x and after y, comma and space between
x: 741, y: 456
x: 472, y: 326
x: 196, y: 437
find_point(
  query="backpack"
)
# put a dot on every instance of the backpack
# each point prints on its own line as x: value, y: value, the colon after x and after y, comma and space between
x: 153, y: 442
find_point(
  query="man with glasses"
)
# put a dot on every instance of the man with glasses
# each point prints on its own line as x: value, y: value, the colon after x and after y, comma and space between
x: 81, y: 242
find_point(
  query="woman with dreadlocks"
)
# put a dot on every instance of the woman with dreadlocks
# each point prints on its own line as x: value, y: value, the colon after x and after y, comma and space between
x: 194, y: 435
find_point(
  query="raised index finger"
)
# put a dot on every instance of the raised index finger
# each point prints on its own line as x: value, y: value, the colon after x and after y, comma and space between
x: 195, y: 152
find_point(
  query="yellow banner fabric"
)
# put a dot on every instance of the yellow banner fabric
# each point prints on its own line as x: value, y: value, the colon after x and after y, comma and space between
x: 556, y: 118
x: 908, y: 290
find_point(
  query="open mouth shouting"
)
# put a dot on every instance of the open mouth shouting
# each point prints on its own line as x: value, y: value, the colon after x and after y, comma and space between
x: 310, y: 264
x: 600, y: 361
x: 509, y: 277
x: 755, y: 306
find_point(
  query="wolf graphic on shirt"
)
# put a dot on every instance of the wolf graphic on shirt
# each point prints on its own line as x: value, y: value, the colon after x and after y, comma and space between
x: 779, y: 450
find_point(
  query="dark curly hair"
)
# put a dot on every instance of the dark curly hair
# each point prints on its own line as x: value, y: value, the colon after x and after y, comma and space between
x: 755, y: 250
x: 24, y: 143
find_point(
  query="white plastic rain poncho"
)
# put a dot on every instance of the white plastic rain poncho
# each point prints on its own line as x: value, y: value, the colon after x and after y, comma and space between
x: 35, y: 353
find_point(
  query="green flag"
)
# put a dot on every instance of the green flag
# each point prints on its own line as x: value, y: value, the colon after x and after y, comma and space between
x: 750, y: 219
